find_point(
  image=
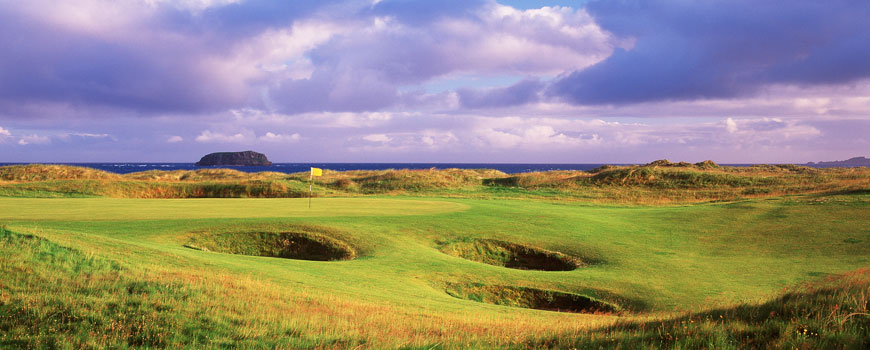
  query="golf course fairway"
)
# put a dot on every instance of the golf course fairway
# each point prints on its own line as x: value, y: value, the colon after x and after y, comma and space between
x: 132, y: 262
x: 76, y: 209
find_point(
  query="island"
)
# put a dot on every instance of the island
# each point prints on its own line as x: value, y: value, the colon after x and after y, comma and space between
x: 848, y: 163
x: 245, y: 158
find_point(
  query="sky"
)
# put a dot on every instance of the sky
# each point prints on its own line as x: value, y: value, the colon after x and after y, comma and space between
x: 451, y: 81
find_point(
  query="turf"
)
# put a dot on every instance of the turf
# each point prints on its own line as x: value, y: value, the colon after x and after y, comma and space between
x: 110, y: 272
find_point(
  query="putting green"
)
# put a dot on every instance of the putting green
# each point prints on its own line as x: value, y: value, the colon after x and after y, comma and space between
x: 87, y: 209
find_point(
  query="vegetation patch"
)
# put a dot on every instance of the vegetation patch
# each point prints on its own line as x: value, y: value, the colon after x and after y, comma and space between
x: 530, y: 298
x: 659, y: 182
x: 299, y: 245
x: 512, y: 255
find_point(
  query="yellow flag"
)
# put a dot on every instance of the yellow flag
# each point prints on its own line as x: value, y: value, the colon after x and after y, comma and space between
x: 316, y: 172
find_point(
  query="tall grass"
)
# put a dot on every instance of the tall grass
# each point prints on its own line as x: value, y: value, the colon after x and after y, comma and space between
x: 830, y: 314
x: 656, y: 183
x: 56, y: 297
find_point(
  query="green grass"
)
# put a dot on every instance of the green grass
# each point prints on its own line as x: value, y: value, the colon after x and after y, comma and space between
x: 77, y: 209
x: 119, y: 273
x: 660, y: 182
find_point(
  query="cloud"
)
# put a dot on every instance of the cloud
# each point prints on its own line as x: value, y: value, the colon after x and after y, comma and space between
x: 83, y: 137
x: 364, y: 69
x: 526, y: 91
x: 151, y: 56
x: 155, y: 57
x: 34, y: 139
x: 4, y: 135
x: 216, y: 137
x: 534, y: 137
x: 425, y: 11
x: 730, y: 126
x: 768, y: 130
x: 418, y: 141
x: 382, y: 138
x: 702, y: 50
x: 90, y: 135
x: 399, y: 80
x: 68, y: 138
x: 280, y: 138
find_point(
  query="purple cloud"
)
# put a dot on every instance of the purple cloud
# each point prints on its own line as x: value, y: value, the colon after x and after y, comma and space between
x: 146, y: 57
x: 416, y: 12
x: 399, y: 80
x: 365, y: 68
x: 523, y: 92
x: 696, y: 50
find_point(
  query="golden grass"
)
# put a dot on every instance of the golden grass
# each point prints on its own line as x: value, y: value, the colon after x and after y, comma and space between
x: 655, y: 183
x: 42, y: 172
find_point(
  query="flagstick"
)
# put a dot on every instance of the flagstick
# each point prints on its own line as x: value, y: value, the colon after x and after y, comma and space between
x: 310, y: 179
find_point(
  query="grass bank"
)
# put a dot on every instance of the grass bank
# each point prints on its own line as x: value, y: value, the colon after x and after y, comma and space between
x: 660, y: 182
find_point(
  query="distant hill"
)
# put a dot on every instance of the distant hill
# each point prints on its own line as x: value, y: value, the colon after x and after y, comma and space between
x: 246, y: 158
x: 851, y: 162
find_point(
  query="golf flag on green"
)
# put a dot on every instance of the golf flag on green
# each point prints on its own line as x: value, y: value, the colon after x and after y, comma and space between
x: 314, y: 172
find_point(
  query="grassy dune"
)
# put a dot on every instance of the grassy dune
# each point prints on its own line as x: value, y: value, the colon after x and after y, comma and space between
x: 441, y: 264
x: 660, y: 182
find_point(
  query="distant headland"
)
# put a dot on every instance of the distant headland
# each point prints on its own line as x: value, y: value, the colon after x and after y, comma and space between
x: 851, y: 162
x: 245, y: 158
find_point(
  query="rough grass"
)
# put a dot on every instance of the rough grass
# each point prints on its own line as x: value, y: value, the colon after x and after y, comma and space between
x: 41, y: 172
x: 830, y: 314
x: 659, y: 182
x: 56, y: 297
x: 113, y: 272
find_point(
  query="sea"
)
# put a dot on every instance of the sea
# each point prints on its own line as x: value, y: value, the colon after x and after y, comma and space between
x: 510, y: 168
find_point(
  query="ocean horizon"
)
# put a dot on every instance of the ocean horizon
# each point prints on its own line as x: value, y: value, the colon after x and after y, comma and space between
x: 510, y: 168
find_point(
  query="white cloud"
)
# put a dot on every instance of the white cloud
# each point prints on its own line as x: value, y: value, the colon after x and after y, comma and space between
x: 4, y: 135
x: 278, y: 54
x: 90, y: 135
x: 535, y: 136
x: 34, y: 139
x: 239, y: 137
x: 549, y: 40
x: 730, y: 126
x: 357, y: 120
x: 769, y: 130
x: 383, y: 138
x: 174, y: 139
x: 191, y: 5
x: 78, y: 136
x: 280, y: 138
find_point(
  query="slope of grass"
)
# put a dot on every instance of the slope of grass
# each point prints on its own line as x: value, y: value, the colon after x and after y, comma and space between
x: 659, y: 182
x: 115, y: 272
x: 52, y: 296
x: 830, y: 314
x: 41, y: 172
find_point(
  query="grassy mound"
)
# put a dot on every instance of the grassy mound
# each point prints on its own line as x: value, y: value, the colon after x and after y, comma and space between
x: 402, y: 180
x: 833, y: 313
x: 41, y: 172
x: 660, y: 182
x: 52, y: 296
x: 218, y: 174
x: 530, y: 298
x: 512, y: 255
x: 299, y: 245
